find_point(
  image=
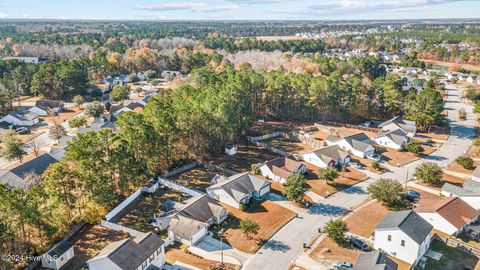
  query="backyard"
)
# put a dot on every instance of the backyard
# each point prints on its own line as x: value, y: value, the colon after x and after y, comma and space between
x: 178, y: 253
x: 198, y: 178
x: 452, y: 258
x: 245, y: 157
x: 138, y: 214
x: 271, y: 217
x: 287, y: 145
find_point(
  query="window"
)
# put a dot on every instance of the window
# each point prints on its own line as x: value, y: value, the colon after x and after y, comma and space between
x: 389, y: 238
x: 402, y: 243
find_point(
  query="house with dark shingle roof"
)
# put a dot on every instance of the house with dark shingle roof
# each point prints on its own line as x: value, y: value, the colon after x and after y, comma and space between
x: 468, y: 192
x: 359, y: 144
x: 409, y: 127
x: 21, y: 117
x: 190, y: 221
x: 329, y: 156
x: 448, y: 215
x: 15, y: 178
x: 238, y: 189
x: 47, y: 107
x: 404, y: 235
x: 395, y: 139
x: 58, y: 256
x: 375, y: 260
x: 131, y: 254
x: 281, y: 168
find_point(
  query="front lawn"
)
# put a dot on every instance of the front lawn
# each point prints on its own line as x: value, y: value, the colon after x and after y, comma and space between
x: 327, y: 249
x: 270, y: 216
x: 245, y: 157
x: 178, y: 253
x: 364, y: 220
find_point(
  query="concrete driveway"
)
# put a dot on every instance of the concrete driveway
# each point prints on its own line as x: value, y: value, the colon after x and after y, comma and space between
x: 303, y: 228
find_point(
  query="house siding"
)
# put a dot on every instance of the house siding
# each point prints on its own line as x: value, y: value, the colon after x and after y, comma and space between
x: 409, y: 253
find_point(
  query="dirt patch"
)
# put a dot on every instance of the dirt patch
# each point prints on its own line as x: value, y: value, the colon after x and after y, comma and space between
x: 267, y: 127
x: 363, y: 221
x: 245, y: 157
x: 287, y: 145
x: 447, y: 178
x: 179, y: 253
x: 90, y: 242
x: 395, y: 157
x: 198, y: 178
x: 329, y: 250
x: 63, y: 116
x: 271, y: 217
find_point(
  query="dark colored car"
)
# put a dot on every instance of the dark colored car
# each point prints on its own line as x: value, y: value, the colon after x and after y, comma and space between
x: 412, y: 195
x: 359, y: 244
x: 22, y: 130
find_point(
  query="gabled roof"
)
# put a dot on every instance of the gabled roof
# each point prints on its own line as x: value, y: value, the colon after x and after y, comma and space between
x: 129, y: 254
x: 283, y: 166
x: 201, y: 208
x: 409, y: 222
x: 329, y: 153
x: 476, y: 172
x: 405, y: 125
x: 185, y: 227
x: 359, y: 141
x: 46, y: 103
x: 240, y: 185
x: 374, y: 261
x: 453, y: 209
x: 24, y: 115
x: 60, y: 248
x: 470, y: 188
x: 14, y: 177
x: 398, y: 136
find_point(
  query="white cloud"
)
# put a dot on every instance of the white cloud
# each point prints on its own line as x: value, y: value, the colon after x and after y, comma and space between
x: 191, y: 6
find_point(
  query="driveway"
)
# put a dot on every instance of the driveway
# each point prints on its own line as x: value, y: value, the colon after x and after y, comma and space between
x: 303, y: 228
x: 214, y: 247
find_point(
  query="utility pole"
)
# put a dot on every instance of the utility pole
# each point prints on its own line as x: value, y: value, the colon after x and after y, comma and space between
x: 406, y: 181
x: 220, y: 234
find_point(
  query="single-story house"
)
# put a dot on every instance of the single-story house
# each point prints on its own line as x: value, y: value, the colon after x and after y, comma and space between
x: 58, y: 151
x: 116, y: 80
x: 15, y: 177
x: 238, y: 189
x: 375, y: 260
x: 395, y: 139
x: 471, y: 79
x: 468, y: 192
x: 47, y: 107
x: 58, y: 256
x: 409, y: 127
x: 281, y: 168
x: 101, y: 122
x: 404, y: 235
x: 139, y: 253
x: 190, y: 223
x: 359, y: 145
x: 169, y: 75
x: 331, y: 156
x: 5, y: 125
x: 448, y: 215
x: 21, y: 117
x: 230, y: 150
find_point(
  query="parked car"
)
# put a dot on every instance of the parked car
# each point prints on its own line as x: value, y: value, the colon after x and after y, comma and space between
x: 430, y: 144
x: 22, y: 130
x: 374, y: 157
x: 356, y: 165
x: 412, y: 195
x: 359, y: 244
x: 342, y: 265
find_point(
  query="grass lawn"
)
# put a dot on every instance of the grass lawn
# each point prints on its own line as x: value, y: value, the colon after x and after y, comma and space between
x: 198, y: 178
x: 447, y: 178
x: 245, y: 157
x: 178, y: 253
x: 452, y: 258
x: 138, y: 214
x: 329, y: 250
x: 287, y: 145
x: 364, y: 220
x: 271, y: 217
x: 442, y: 136
x: 458, y: 168
x: 89, y: 242
x: 395, y: 157
x: 63, y: 116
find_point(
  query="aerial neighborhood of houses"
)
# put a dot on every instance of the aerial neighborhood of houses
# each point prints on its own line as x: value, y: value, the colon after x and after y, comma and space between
x: 242, y: 207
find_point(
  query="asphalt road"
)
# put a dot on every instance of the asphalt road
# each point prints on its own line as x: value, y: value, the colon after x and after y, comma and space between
x: 286, y: 244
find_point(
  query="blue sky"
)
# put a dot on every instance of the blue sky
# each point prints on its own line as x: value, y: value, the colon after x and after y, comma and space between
x: 238, y: 9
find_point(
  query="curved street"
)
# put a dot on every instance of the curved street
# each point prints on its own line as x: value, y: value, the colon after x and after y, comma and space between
x: 280, y: 251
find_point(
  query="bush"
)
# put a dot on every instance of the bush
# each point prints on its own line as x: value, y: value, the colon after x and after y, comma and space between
x: 376, y: 166
x: 415, y: 147
x: 386, y: 191
x: 328, y: 173
x: 336, y: 230
x: 476, y: 142
x: 249, y: 227
x: 254, y: 169
x: 465, y: 162
x: 429, y: 172
x: 243, y: 207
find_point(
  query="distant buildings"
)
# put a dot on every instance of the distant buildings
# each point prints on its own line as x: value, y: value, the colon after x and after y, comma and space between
x: 27, y: 59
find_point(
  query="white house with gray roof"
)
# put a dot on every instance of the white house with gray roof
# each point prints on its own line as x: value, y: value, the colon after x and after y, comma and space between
x: 409, y: 127
x: 359, y: 144
x: 404, y: 235
x: 21, y: 117
x: 142, y: 252
x: 395, y: 139
x: 238, y: 189
x: 468, y: 192
x: 58, y: 256
x: 329, y: 156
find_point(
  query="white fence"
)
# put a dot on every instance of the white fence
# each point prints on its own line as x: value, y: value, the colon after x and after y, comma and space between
x: 271, y: 149
x: 221, y: 169
x: 265, y: 137
x: 181, y: 169
x: 124, y: 204
x: 118, y: 228
x: 179, y: 187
